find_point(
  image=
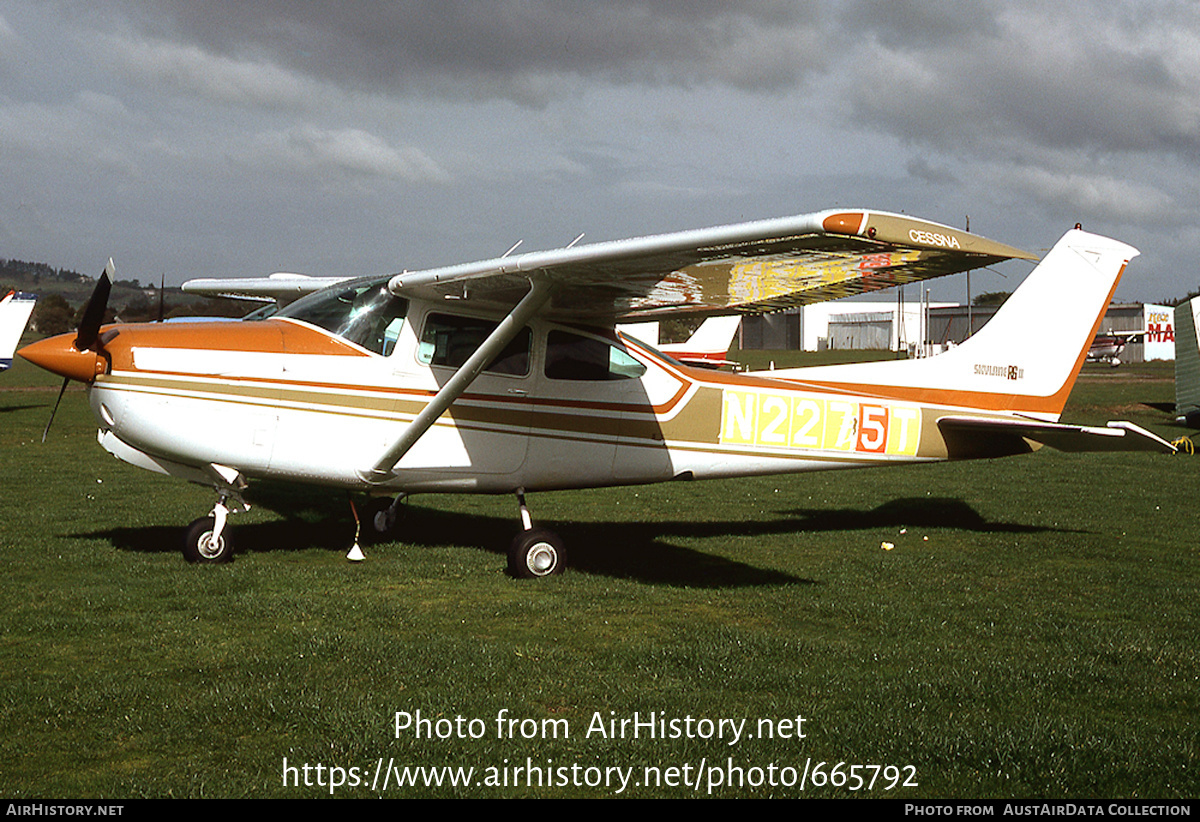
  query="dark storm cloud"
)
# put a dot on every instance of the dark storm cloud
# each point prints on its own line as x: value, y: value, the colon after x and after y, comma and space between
x: 234, y: 129
x: 507, y: 48
x: 989, y: 76
x: 968, y: 77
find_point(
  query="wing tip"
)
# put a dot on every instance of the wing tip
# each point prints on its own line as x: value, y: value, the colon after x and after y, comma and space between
x: 900, y: 229
x: 845, y: 222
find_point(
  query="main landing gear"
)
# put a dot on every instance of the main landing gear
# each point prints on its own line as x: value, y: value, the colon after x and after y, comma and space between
x: 535, y: 552
x: 384, y: 513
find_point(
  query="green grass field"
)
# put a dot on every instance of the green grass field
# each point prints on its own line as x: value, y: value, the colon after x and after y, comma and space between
x: 1033, y: 633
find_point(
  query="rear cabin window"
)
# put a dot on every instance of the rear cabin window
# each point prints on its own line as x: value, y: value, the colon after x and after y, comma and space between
x: 450, y: 340
x: 576, y: 357
x: 365, y: 314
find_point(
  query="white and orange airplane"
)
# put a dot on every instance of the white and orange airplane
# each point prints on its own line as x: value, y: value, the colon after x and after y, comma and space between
x: 1108, y: 347
x: 15, y: 309
x: 507, y: 375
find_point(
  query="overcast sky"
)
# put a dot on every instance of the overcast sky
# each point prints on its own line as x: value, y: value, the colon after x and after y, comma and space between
x: 227, y: 138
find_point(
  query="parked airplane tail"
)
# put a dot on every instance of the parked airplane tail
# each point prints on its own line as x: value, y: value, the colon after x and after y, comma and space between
x: 709, y: 345
x: 1187, y: 364
x: 15, y: 309
x: 1026, y: 359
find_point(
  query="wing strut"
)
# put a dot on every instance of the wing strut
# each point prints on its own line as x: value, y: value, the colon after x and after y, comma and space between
x: 509, y: 327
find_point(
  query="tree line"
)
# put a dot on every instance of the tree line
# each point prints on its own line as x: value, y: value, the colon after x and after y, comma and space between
x: 63, y: 293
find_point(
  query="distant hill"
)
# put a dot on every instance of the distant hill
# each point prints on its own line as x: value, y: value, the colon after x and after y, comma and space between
x: 62, y: 293
x: 40, y: 278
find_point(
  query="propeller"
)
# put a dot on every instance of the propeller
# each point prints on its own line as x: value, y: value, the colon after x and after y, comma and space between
x: 93, y: 314
x: 55, y: 410
x: 88, y: 336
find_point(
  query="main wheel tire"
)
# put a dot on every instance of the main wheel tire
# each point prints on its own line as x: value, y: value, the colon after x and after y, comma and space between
x: 380, y: 519
x: 536, y: 553
x: 199, y: 545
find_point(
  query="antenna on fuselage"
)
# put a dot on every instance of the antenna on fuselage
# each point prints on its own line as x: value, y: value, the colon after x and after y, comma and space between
x: 356, y: 553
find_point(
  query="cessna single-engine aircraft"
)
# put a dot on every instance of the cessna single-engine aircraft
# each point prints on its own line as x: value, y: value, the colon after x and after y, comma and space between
x: 1109, y: 347
x: 15, y: 309
x: 507, y: 375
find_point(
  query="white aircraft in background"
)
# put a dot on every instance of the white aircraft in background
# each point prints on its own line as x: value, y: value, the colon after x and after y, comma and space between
x: 15, y: 309
x: 1108, y: 347
x: 282, y: 287
x: 508, y: 376
x: 708, y: 347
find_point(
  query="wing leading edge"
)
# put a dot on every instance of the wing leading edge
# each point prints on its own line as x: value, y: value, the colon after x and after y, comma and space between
x: 752, y: 267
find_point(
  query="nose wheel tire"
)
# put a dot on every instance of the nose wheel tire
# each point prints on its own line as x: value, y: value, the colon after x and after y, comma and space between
x: 200, y: 547
x: 536, y: 553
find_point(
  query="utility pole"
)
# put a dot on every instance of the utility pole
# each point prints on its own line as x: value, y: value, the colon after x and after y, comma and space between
x: 970, y: 314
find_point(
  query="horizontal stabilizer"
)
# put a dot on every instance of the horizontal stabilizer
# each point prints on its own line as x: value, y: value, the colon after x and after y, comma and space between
x: 972, y: 437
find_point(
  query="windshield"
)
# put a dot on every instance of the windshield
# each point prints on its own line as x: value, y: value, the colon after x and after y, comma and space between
x: 262, y: 313
x: 363, y: 312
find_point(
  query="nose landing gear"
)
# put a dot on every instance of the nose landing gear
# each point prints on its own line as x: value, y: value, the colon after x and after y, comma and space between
x: 207, y: 539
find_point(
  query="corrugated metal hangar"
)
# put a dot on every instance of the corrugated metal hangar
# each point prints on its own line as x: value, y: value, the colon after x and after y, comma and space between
x: 927, y: 329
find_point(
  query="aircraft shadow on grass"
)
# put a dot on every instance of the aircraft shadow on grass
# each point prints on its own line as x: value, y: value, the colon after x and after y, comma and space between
x: 923, y: 512
x: 623, y: 550
x: 641, y: 551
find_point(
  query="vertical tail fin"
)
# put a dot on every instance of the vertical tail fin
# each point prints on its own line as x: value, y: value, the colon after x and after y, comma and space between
x: 1046, y: 327
x: 709, y: 345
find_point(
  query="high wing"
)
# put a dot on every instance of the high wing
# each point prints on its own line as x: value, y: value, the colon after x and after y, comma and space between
x: 280, y: 287
x: 752, y: 267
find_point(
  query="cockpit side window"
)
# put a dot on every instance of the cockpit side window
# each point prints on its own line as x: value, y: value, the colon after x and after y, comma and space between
x: 450, y: 340
x: 576, y: 357
x: 366, y: 314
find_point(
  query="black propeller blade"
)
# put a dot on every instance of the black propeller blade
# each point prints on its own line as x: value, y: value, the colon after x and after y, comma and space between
x: 93, y: 315
x: 88, y: 335
x: 55, y: 411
